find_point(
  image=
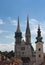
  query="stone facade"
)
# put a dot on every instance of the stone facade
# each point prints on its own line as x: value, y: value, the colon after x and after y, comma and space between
x: 24, y: 49
x: 39, y: 53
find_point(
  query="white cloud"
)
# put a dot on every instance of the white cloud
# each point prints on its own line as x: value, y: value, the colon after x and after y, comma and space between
x: 10, y: 36
x: 6, y: 47
x: 33, y: 21
x: 34, y: 31
x: 1, y: 31
x: 1, y: 21
x: 14, y: 22
x: 43, y: 32
x: 23, y: 32
x: 34, y: 46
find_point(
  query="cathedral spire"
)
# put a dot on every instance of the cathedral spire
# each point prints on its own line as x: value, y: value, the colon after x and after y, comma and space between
x: 28, y: 34
x: 39, y: 37
x: 18, y: 33
x: 27, y: 28
x: 27, y: 22
x: 18, y: 26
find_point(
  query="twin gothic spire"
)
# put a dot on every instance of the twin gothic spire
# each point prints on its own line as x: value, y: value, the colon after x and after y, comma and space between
x: 28, y: 33
x: 27, y: 30
x: 27, y: 27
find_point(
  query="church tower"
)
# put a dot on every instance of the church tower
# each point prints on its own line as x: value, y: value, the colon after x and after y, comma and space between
x: 18, y: 34
x: 18, y: 37
x: 28, y: 46
x: 39, y: 47
x: 28, y: 34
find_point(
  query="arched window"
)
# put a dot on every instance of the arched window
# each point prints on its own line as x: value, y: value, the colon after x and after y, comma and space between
x: 39, y: 49
x: 39, y: 55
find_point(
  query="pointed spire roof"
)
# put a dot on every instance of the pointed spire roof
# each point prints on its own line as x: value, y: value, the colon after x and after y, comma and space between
x: 28, y: 33
x: 18, y: 26
x: 27, y: 28
x: 27, y: 22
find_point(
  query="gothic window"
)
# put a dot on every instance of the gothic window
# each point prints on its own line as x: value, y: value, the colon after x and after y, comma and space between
x: 39, y: 55
x: 39, y: 49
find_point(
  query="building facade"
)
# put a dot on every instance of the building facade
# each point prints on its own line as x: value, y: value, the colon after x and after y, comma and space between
x: 24, y: 49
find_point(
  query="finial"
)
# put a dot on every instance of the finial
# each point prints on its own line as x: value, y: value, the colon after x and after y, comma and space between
x: 38, y: 26
x: 27, y: 19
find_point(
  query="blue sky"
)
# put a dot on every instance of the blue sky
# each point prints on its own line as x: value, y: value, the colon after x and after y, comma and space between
x: 9, y: 12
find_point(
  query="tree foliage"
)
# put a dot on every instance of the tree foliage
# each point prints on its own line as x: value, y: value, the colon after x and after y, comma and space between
x: 7, y: 54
